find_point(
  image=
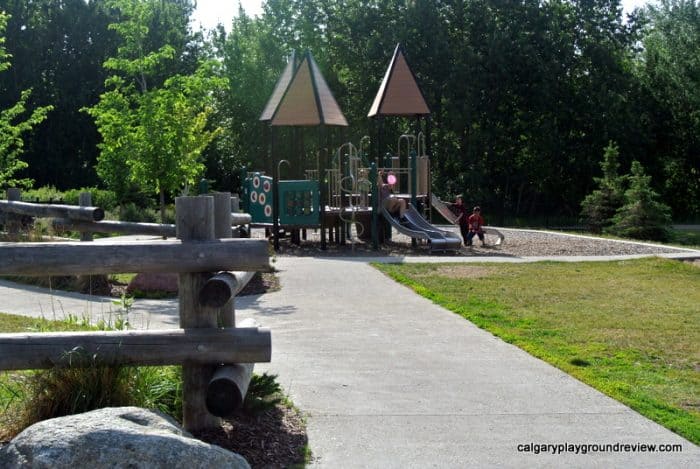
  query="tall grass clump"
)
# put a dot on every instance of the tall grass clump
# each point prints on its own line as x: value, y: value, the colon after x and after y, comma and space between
x: 32, y: 396
x: 264, y: 393
x: 60, y: 391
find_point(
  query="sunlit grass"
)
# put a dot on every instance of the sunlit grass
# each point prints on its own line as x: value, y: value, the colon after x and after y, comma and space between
x: 630, y: 328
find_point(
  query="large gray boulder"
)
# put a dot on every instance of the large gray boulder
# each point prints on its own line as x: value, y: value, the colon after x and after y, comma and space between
x: 117, y: 437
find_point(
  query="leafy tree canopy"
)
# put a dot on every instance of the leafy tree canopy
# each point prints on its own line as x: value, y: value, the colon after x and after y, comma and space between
x: 152, y: 135
x: 14, y: 122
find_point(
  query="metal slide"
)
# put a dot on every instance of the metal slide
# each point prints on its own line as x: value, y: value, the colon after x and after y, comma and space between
x: 444, y: 210
x: 415, y: 226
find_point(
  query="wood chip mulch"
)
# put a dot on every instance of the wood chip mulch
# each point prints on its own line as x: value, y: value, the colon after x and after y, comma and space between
x: 276, y: 438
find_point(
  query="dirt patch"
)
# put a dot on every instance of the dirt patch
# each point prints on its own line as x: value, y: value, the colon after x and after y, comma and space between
x: 464, y: 271
x: 262, y: 282
x: 153, y: 281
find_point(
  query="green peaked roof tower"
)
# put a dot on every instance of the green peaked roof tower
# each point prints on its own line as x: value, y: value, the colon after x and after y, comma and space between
x: 399, y: 93
x: 307, y: 100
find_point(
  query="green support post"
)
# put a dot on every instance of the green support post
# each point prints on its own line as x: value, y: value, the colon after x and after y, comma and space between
x: 414, y: 178
x: 387, y: 161
x: 203, y: 186
x: 414, y: 183
x: 375, y: 204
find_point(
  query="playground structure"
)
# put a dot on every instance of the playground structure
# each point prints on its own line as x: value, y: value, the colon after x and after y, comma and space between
x: 340, y: 197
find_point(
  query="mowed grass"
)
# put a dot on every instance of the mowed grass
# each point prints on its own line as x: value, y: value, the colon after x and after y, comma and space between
x: 631, y: 329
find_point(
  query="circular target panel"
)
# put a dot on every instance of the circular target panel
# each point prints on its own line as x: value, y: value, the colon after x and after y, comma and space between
x: 253, y: 196
x: 262, y: 198
x: 268, y: 210
x: 266, y: 186
x: 256, y: 182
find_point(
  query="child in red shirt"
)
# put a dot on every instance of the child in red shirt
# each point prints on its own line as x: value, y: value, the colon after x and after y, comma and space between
x: 475, y: 226
x: 459, y: 209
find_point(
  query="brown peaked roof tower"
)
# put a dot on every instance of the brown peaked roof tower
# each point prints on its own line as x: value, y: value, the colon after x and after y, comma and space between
x: 307, y: 99
x: 399, y: 94
x: 280, y: 88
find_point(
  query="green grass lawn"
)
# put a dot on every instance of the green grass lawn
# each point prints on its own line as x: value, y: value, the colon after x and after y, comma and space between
x: 631, y: 329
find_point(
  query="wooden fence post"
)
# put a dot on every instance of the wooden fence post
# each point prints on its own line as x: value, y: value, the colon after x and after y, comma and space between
x: 12, y: 221
x: 223, y: 229
x: 195, y: 221
x: 222, y: 215
x: 85, y: 200
x: 229, y: 383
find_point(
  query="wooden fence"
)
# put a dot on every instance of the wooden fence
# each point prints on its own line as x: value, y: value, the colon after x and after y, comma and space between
x: 216, y: 361
x: 88, y: 219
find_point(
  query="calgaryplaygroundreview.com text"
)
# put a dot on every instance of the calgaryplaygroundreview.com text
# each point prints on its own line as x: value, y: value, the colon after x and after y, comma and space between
x: 587, y: 448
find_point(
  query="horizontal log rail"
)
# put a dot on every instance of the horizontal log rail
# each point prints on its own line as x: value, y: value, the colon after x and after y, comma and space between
x: 229, y: 384
x: 227, y: 388
x: 52, y: 210
x: 76, y: 258
x: 126, y: 227
x: 222, y: 287
x: 152, y: 348
x: 241, y: 218
x: 111, y: 226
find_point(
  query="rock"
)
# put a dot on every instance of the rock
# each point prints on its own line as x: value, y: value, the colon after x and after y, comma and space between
x: 148, y: 282
x: 121, y: 437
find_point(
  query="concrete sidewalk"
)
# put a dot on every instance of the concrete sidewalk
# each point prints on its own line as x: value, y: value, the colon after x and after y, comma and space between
x: 388, y: 379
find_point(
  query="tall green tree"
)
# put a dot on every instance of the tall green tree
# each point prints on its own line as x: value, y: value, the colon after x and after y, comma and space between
x: 58, y: 49
x: 599, y: 207
x: 153, y: 132
x: 251, y: 62
x: 669, y: 73
x: 14, y: 122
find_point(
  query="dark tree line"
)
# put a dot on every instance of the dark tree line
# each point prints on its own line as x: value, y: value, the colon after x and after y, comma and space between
x: 525, y: 96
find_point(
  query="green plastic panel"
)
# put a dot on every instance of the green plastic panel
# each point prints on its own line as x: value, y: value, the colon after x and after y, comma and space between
x: 257, y: 197
x: 299, y: 202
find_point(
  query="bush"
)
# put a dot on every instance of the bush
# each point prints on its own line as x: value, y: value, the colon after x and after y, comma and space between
x: 43, y: 195
x: 131, y: 212
x: 106, y: 200
x: 643, y: 216
x: 599, y: 207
